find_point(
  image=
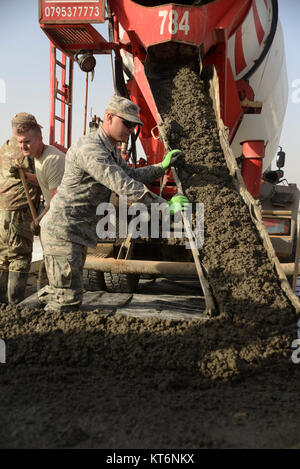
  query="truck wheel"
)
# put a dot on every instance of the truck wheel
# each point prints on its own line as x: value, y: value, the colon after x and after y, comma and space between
x: 121, y: 283
x: 93, y: 280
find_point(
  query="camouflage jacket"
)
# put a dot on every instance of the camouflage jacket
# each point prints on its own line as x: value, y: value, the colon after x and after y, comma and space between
x: 94, y: 169
x: 12, y: 194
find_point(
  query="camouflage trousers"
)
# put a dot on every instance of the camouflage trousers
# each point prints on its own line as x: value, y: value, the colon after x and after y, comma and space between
x: 16, y: 240
x: 64, y: 263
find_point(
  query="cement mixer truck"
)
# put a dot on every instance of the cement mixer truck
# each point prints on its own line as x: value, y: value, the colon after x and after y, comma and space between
x: 240, y: 40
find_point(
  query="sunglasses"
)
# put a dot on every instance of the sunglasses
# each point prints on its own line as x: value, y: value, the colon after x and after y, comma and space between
x: 128, y: 124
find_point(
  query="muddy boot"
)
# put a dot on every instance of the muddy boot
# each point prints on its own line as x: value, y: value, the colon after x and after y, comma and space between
x: 16, y: 287
x: 3, y: 286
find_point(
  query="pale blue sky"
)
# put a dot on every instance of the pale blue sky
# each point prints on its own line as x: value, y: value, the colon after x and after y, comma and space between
x: 24, y: 68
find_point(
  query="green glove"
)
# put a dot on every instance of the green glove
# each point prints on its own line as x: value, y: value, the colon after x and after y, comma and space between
x: 172, y: 158
x: 177, y: 204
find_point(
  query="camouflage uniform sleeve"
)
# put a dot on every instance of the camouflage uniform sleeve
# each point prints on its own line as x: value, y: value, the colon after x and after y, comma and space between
x: 100, y: 164
x: 12, y: 194
x: 145, y: 174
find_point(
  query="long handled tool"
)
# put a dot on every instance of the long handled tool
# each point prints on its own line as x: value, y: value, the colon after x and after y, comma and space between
x: 30, y: 203
x: 42, y: 279
x: 209, y: 301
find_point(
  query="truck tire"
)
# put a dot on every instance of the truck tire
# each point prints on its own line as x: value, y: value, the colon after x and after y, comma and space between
x: 121, y: 283
x: 93, y: 280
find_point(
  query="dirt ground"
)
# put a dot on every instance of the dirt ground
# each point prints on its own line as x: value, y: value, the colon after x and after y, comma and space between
x: 98, y: 380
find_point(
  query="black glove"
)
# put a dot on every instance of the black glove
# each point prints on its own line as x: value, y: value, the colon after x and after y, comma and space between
x: 14, y: 169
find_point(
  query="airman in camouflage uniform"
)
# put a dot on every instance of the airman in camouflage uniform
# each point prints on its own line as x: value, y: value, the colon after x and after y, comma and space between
x: 94, y: 168
x: 16, y: 234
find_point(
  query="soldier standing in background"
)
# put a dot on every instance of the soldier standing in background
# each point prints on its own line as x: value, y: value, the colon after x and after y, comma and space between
x: 49, y: 162
x: 94, y: 169
x: 16, y: 234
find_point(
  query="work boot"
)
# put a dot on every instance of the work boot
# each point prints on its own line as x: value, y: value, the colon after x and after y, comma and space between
x: 3, y: 286
x: 48, y: 299
x: 16, y: 287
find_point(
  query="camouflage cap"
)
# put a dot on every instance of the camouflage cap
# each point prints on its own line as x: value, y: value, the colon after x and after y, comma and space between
x: 25, y: 118
x: 125, y: 108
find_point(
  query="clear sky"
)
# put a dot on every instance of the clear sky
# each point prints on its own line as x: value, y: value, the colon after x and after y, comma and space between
x: 24, y: 71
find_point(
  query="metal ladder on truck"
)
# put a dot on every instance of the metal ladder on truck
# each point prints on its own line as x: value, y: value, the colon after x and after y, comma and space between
x: 61, y: 95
